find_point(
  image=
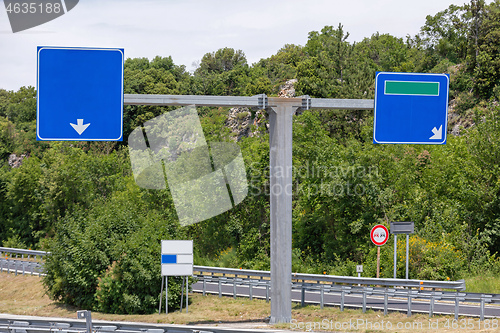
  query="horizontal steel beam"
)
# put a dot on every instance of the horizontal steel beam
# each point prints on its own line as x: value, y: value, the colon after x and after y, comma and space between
x: 342, y: 104
x: 200, y: 100
x: 257, y: 101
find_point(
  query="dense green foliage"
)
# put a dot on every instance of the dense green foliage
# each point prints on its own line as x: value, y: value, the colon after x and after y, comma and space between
x: 79, y: 199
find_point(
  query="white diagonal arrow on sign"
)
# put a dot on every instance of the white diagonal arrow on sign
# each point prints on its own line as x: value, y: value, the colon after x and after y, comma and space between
x: 80, y: 127
x: 438, y: 133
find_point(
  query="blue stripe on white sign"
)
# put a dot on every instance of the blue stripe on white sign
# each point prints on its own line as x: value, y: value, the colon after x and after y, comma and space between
x: 169, y: 259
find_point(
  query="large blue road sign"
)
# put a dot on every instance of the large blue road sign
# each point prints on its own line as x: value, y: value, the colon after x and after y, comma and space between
x: 79, y: 94
x: 411, y: 108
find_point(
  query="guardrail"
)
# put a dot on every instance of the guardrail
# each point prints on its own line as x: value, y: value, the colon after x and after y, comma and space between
x: 9, y: 252
x: 24, y: 324
x: 324, y: 284
x: 348, y: 280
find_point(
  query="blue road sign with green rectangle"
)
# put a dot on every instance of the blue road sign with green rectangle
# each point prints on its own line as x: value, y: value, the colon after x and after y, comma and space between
x: 411, y: 108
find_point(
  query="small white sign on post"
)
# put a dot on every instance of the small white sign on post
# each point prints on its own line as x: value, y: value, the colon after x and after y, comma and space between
x: 176, y: 257
x: 176, y: 260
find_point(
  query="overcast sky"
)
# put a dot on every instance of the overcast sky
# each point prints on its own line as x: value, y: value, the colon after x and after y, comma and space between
x: 187, y: 29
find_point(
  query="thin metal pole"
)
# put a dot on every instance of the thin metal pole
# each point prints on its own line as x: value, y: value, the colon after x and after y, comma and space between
x: 182, y: 294
x: 187, y: 295
x: 407, y: 253
x: 378, y: 262
x: 166, y: 294
x: 395, y: 253
x: 161, y: 294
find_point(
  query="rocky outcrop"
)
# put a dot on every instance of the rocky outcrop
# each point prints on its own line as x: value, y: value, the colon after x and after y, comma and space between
x: 457, y: 123
x: 239, y: 121
x: 288, y: 89
x: 16, y: 161
x: 244, y: 123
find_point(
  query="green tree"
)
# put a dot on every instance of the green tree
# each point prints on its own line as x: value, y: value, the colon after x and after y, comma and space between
x: 22, y: 106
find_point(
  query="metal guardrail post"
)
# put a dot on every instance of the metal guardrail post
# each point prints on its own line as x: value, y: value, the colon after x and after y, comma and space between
x: 481, y: 311
x: 364, y: 301
x: 84, y: 314
x: 456, y: 306
x: 408, y: 313
x: 302, y: 295
x: 431, y: 306
x: 322, y: 297
x: 220, y: 288
x: 386, y: 300
x: 342, y: 299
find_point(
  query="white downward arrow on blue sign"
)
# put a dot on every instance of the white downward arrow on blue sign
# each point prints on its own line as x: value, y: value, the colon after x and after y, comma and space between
x: 79, y: 127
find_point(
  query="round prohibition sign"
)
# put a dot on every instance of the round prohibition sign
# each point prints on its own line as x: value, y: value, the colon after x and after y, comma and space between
x: 379, y: 235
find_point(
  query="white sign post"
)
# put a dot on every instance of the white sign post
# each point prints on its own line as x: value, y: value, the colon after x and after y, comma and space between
x: 176, y: 260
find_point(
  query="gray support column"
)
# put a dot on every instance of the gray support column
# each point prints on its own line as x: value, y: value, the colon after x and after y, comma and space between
x: 280, y: 145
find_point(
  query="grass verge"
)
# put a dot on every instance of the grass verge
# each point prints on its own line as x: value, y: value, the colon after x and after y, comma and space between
x: 483, y: 284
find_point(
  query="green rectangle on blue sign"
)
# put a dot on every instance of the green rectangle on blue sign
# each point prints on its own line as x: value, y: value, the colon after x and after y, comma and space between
x: 411, y: 88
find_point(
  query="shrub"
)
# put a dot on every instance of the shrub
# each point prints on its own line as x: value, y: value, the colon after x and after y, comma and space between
x: 106, y: 258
